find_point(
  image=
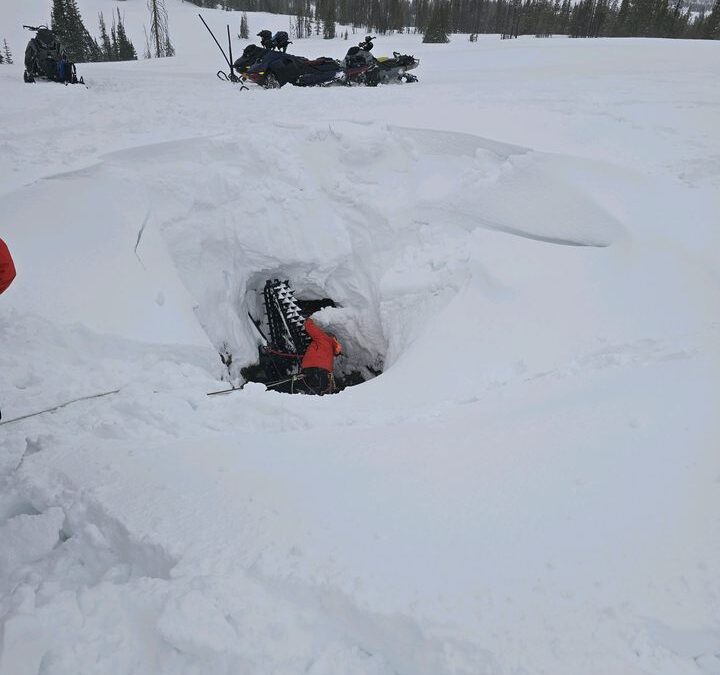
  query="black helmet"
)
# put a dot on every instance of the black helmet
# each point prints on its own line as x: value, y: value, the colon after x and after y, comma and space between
x: 264, y: 33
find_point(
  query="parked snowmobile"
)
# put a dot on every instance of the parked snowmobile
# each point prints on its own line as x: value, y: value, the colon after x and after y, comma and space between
x: 46, y: 58
x: 362, y: 66
x: 276, y: 69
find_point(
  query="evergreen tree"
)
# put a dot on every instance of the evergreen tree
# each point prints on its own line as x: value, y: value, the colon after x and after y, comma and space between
x: 620, y: 27
x: 114, y: 51
x: 7, y: 54
x: 67, y: 22
x: 711, y: 27
x: 105, y: 44
x: 169, y: 49
x: 438, y: 25
x: 583, y: 18
x: 125, y: 48
x: 563, y: 20
x: 159, y: 34
x: 298, y: 27
x: 58, y: 18
x: 2, y: 59
x: 328, y: 19
x: 677, y: 21
x: 244, y: 28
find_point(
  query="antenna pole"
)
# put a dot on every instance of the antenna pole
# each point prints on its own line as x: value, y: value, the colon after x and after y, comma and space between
x: 216, y: 42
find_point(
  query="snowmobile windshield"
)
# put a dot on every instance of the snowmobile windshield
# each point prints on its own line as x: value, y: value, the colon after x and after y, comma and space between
x: 46, y: 38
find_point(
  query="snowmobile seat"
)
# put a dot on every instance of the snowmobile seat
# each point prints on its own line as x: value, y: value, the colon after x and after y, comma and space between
x: 319, y: 71
x: 358, y: 58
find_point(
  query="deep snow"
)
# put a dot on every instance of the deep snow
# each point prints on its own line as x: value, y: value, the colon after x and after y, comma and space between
x: 527, y: 239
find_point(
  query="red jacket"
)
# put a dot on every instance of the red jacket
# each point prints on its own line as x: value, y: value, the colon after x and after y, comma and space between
x: 7, y: 268
x: 322, y: 350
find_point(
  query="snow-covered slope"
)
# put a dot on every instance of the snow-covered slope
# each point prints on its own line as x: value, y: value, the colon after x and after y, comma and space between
x: 526, y: 239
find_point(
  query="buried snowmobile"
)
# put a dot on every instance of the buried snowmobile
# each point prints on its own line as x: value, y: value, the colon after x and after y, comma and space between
x: 45, y: 58
x: 285, y: 341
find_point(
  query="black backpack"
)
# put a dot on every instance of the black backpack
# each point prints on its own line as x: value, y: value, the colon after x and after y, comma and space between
x: 281, y: 40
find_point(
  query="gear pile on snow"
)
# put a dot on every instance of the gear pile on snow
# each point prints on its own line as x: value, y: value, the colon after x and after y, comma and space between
x: 46, y: 58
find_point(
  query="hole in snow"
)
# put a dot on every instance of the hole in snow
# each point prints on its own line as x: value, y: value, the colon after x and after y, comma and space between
x: 278, y: 315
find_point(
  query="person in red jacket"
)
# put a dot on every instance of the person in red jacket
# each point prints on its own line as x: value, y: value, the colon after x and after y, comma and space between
x: 317, y: 364
x: 7, y: 267
x: 7, y: 271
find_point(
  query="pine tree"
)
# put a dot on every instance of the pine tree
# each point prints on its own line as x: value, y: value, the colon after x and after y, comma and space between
x: 298, y: 27
x: 244, y: 29
x: 657, y: 18
x: 2, y: 59
x: 438, y: 26
x: 677, y: 22
x: 114, y: 51
x: 620, y: 29
x: 67, y: 22
x: 7, y: 54
x: 125, y: 48
x: 328, y: 19
x: 105, y: 44
x: 169, y: 49
x: 58, y: 18
x: 159, y: 34
x: 711, y: 27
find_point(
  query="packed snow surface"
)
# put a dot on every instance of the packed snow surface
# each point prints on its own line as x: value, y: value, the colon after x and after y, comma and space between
x: 527, y: 240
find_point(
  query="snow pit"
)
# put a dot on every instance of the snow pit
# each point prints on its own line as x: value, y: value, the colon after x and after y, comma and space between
x: 278, y: 315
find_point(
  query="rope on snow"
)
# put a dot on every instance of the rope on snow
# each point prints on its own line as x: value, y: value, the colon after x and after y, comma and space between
x: 62, y: 405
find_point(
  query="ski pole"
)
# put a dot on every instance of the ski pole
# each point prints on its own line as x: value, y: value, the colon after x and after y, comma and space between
x: 226, y: 391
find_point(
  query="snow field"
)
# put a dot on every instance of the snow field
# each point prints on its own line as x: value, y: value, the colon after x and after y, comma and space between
x: 526, y: 239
